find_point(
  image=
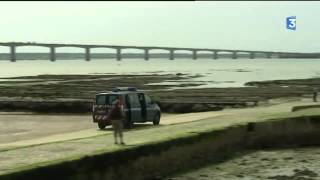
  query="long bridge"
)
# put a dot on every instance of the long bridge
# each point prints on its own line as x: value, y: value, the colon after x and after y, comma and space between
x: 171, y: 50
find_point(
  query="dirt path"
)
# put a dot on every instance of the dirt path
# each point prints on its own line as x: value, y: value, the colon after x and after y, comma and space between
x: 25, y: 129
x: 20, y: 126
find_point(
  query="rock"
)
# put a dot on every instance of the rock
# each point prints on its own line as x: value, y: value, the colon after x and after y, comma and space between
x: 204, y: 175
x: 182, y: 108
x: 199, y: 108
x: 173, y: 107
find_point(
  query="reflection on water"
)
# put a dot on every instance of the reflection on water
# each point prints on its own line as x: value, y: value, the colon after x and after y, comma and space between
x: 216, y: 73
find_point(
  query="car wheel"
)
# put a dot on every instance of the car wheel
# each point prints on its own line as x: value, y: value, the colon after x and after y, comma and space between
x: 101, y: 125
x: 156, y: 119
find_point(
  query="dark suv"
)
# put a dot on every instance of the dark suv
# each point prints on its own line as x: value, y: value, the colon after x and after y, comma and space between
x: 138, y: 107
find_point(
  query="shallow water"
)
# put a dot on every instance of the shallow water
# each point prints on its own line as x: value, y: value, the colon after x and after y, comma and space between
x: 216, y: 73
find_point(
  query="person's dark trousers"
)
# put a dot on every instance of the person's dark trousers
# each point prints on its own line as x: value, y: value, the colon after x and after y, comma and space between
x: 315, y: 97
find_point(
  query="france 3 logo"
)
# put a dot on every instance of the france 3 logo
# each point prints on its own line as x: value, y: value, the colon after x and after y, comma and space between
x: 291, y: 23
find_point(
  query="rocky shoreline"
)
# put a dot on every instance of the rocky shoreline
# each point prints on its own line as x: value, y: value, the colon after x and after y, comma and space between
x: 74, y: 93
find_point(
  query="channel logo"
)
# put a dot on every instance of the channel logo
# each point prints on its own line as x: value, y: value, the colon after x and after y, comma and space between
x: 291, y: 23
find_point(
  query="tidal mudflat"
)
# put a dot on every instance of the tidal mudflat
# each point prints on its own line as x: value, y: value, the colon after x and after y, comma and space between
x: 273, y: 164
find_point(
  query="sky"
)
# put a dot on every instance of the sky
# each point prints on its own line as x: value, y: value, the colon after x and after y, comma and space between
x: 251, y: 25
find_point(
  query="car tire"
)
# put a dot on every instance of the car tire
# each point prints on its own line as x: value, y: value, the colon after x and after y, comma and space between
x: 156, y: 119
x: 102, y: 126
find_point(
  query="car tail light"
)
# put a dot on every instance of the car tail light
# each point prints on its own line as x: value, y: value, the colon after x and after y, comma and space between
x: 93, y: 104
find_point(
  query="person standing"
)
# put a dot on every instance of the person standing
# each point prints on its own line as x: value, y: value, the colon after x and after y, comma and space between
x: 315, y: 94
x: 116, y: 116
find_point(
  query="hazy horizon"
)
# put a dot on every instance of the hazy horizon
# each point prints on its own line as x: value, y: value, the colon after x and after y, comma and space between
x: 224, y: 25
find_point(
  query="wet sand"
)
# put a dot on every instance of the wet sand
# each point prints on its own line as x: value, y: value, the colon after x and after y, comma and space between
x: 286, y: 164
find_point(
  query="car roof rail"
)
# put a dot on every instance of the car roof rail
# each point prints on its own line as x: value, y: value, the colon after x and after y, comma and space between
x: 117, y: 89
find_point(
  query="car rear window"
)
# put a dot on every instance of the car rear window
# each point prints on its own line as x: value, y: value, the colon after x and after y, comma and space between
x: 105, y: 99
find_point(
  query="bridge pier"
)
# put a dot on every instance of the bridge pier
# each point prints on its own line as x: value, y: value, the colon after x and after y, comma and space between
x: 146, y: 54
x: 171, y: 54
x: 119, y: 54
x: 88, y: 56
x: 252, y: 55
x: 194, y: 55
x: 234, y: 55
x: 52, y: 53
x: 13, y: 57
x: 215, y: 54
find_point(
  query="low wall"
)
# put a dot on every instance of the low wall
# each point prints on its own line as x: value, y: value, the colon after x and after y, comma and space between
x: 160, y: 159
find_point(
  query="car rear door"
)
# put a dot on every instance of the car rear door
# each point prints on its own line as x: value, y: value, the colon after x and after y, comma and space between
x: 135, y: 107
x: 151, y: 108
x: 143, y: 104
x: 102, y: 105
